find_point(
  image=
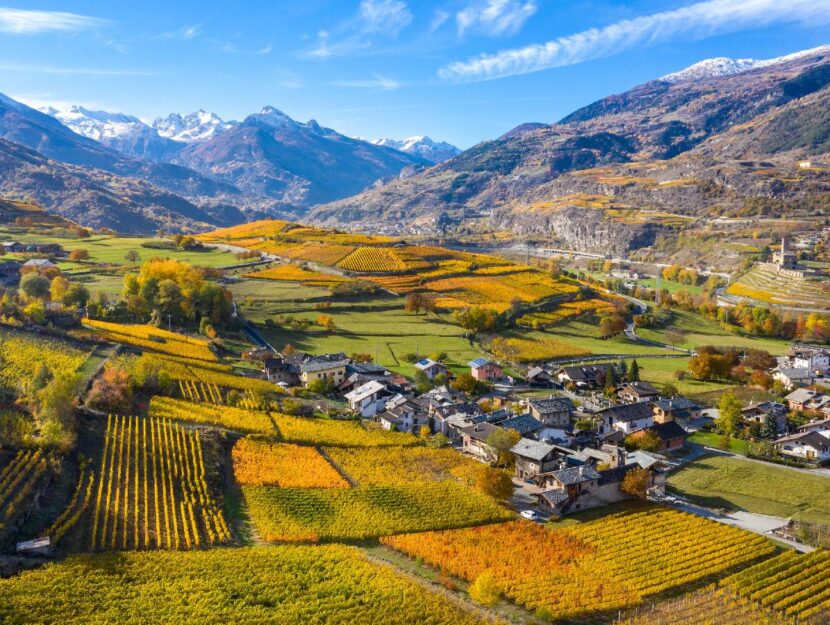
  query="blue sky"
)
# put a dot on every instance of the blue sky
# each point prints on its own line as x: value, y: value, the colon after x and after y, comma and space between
x: 459, y: 70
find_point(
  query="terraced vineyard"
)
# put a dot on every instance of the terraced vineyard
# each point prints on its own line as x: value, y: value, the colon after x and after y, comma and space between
x: 602, y: 566
x: 766, y: 285
x: 152, y: 491
x: 17, y: 481
x: 21, y: 353
x: 154, y: 339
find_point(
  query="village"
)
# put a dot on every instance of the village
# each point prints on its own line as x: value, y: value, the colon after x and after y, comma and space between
x: 569, y: 437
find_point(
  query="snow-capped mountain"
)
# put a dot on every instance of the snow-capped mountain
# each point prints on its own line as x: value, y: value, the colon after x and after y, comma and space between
x: 190, y: 128
x: 724, y: 66
x: 121, y: 132
x: 423, y: 147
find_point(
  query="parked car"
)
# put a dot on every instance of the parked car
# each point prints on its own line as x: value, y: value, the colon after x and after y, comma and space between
x: 530, y: 515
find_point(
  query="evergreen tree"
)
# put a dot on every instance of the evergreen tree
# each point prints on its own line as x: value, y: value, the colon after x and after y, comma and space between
x: 634, y: 372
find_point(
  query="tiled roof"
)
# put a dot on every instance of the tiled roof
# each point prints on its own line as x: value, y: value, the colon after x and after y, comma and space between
x: 555, y: 496
x: 322, y: 365
x: 479, y: 431
x: 575, y: 475
x: 552, y: 405
x: 627, y: 412
x: 676, y: 403
x: 669, y: 430
x: 535, y: 450
x: 523, y: 424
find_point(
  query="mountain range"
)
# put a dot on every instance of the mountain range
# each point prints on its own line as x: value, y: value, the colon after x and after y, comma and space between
x: 682, y: 144
x: 679, y: 144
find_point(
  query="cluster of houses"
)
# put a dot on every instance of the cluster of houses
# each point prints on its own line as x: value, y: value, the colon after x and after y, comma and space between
x: 810, y: 441
x: 565, y: 467
x: 10, y: 270
x: 802, y: 366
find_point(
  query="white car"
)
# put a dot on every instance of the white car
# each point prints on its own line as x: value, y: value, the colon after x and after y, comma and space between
x: 530, y: 515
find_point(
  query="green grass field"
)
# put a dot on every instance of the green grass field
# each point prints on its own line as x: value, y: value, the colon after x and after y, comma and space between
x: 658, y: 371
x: 586, y: 336
x: 104, y: 249
x: 711, y: 439
x: 377, y: 325
x: 702, y: 331
x: 671, y: 287
x: 718, y: 481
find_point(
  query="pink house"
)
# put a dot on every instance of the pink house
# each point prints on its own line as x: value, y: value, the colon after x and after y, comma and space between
x: 483, y: 369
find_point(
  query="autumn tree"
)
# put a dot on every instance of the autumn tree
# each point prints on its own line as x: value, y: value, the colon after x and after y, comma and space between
x: 495, y: 483
x: 79, y: 254
x: 484, y: 589
x: 326, y: 322
x: 132, y: 256
x: 636, y: 482
x: 645, y: 440
x: 729, y: 417
x: 35, y: 286
x: 477, y: 319
x: 468, y: 384
x: 502, y: 442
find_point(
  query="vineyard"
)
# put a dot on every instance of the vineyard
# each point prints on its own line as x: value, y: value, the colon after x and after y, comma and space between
x: 210, y: 373
x: 281, y: 585
x: 154, y: 339
x: 17, y: 481
x: 534, y: 350
x: 337, y: 514
x: 200, y: 392
x: 78, y: 505
x: 334, y: 433
x: 372, y: 260
x: 790, y: 585
x: 565, y: 312
x: 152, y: 491
x: 21, y: 354
x: 293, y: 273
x: 398, y: 466
x: 601, y: 566
x: 211, y: 414
x: 262, y: 463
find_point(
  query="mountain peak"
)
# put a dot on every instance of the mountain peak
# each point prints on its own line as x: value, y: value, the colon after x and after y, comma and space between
x: 192, y: 127
x: 271, y: 116
x: 725, y: 66
x: 421, y: 146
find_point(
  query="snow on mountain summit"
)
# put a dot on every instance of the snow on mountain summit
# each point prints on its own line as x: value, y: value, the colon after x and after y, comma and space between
x: 422, y: 146
x: 193, y: 127
x: 724, y: 66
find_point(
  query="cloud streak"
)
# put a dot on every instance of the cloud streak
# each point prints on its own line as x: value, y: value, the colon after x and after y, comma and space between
x: 375, y: 18
x: 25, y: 22
x: 696, y: 21
x: 495, y: 17
x: 378, y: 83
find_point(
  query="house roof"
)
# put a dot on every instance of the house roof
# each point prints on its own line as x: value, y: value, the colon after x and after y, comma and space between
x: 822, y: 424
x: 796, y: 373
x: 427, y: 363
x: 640, y: 389
x: 367, y: 390
x: 535, y: 371
x: 367, y: 368
x: 38, y: 262
x: 674, y: 404
x: 811, y: 439
x: 479, y: 431
x: 322, y: 365
x: 535, y: 450
x: 580, y: 373
x: 480, y: 362
x: 523, y: 424
x: 800, y: 395
x: 551, y: 405
x: 669, y: 430
x: 766, y: 407
x: 575, y: 475
x: 616, y: 474
x: 555, y: 496
x: 627, y: 412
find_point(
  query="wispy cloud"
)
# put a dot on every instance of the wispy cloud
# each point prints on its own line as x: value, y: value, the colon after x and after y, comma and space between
x: 495, y: 17
x: 695, y: 21
x: 377, y: 82
x: 383, y: 18
x: 71, y: 71
x: 186, y: 32
x: 439, y: 18
x: 265, y: 50
x: 24, y: 22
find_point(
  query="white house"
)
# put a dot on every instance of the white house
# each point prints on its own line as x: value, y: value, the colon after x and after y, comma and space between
x: 431, y: 368
x: 814, y: 359
x: 812, y: 446
x: 627, y: 418
x: 369, y: 399
x: 792, y: 378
